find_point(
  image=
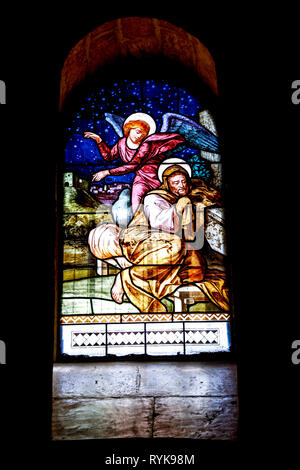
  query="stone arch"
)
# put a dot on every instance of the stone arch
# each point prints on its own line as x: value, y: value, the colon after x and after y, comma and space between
x: 138, y: 38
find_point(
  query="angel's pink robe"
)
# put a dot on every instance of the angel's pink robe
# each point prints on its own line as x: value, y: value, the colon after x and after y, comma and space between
x: 144, y: 161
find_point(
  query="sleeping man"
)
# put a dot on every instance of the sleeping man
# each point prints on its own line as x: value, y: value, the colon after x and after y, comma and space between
x: 156, y: 252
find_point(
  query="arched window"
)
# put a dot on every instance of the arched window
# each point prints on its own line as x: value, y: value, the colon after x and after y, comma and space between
x: 143, y: 261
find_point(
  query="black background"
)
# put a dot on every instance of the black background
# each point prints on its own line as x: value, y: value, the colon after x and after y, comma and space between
x: 256, y: 55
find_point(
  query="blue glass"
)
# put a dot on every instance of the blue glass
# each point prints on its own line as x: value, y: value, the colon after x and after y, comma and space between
x: 122, y: 97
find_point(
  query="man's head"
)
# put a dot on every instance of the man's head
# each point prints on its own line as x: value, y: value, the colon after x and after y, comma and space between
x: 178, y: 184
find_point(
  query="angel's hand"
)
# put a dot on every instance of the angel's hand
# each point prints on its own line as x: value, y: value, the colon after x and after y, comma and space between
x: 92, y: 135
x: 100, y: 175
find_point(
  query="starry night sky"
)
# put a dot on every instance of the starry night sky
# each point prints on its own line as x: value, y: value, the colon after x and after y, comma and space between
x: 122, y: 98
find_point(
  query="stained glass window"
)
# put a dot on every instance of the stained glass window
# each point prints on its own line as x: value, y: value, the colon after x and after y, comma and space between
x: 144, y: 261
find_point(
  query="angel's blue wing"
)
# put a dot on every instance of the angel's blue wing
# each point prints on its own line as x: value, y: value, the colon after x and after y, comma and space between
x: 116, y: 122
x: 196, y: 136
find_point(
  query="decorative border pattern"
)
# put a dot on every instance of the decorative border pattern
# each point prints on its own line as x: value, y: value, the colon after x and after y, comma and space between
x: 150, y: 338
x: 119, y: 338
x: 142, y: 317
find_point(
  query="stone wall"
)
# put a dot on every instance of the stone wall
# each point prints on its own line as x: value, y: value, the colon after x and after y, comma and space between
x: 135, y: 37
x: 193, y: 400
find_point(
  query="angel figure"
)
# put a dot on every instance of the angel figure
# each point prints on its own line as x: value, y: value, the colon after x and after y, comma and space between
x: 142, y: 149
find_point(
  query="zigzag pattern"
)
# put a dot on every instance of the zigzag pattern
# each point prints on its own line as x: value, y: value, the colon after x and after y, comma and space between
x: 82, y: 319
x: 142, y: 317
x: 201, y: 316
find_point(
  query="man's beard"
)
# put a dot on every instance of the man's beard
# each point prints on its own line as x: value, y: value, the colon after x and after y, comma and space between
x: 181, y: 192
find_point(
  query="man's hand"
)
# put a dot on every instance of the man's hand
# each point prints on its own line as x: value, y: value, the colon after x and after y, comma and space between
x: 184, y: 210
x: 100, y: 175
x: 182, y: 203
x: 91, y: 135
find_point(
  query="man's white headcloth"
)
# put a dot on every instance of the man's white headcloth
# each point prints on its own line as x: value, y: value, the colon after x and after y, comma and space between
x: 173, y: 161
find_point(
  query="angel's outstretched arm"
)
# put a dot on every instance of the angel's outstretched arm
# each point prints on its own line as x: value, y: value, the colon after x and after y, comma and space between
x: 134, y: 163
x: 107, y: 153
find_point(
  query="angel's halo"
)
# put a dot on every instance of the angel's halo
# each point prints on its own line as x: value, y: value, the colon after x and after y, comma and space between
x: 143, y: 117
x: 173, y: 161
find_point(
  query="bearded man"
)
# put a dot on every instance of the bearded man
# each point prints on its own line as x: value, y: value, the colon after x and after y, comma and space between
x: 156, y: 252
